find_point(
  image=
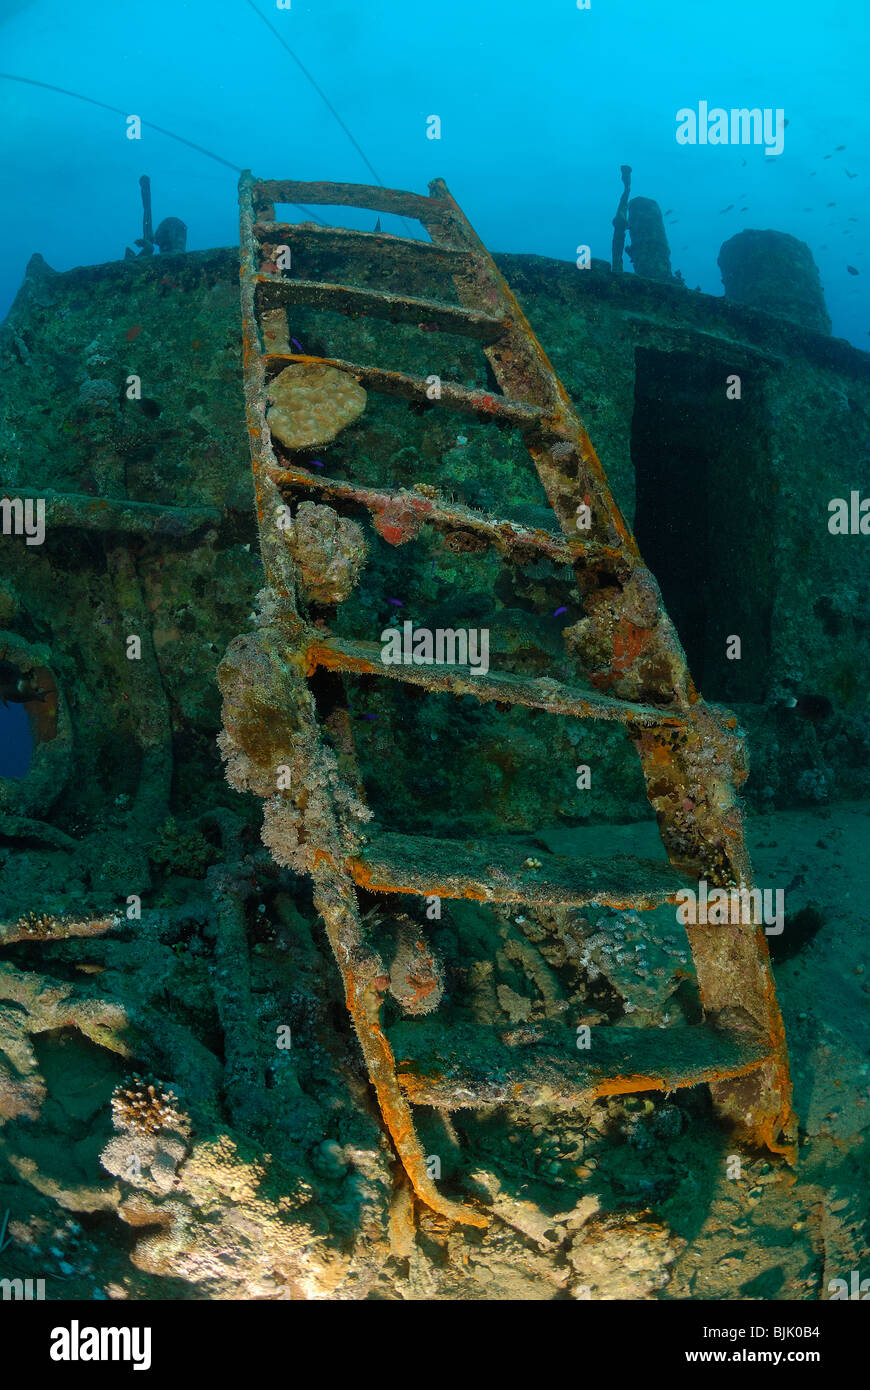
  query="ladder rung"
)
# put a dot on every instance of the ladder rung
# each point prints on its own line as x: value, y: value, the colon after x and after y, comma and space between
x: 496, y: 873
x: 354, y: 195
x: 455, y: 1066
x: 412, y: 510
x: 276, y: 293
x: 364, y: 658
x: 453, y: 396
x: 377, y: 244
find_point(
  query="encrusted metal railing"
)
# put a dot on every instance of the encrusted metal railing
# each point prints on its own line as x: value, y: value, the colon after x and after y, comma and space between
x: 624, y: 648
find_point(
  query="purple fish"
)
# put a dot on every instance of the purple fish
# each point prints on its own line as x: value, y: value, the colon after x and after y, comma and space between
x: 558, y: 611
x: 298, y: 346
x: 396, y: 602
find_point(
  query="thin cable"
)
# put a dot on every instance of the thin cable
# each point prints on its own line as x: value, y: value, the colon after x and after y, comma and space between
x: 325, y: 99
x: 92, y: 101
x: 161, y: 130
x: 320, y: 92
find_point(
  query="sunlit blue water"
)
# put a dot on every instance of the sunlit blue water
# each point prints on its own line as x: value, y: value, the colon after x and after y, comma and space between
x: 539, y: 103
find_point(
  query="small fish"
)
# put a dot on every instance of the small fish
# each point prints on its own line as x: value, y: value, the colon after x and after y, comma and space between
x: 396, y: 602
x: 667, y: 212
x: 852, y: 219
x: 827, y: 156
x: 558, y: 611
x: 839, y: 148
x: 318, y: 463
x: 830, y: 205
x: 298, y: 346
x: 133, y: 333
x: 430, y: 327
x: 728, y: 209
x: 848, y: 175
x: 812, y: 707
x: 746, y: 209
x: 852, y: 271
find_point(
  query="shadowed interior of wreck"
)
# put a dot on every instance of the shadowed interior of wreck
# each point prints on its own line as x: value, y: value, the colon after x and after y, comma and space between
x: 701, y: 475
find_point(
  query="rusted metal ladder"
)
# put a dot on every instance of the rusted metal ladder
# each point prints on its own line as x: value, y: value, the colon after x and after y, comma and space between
x: 635, y: 673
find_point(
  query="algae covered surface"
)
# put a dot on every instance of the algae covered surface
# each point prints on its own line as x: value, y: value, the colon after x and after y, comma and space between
x: 185, y: 1111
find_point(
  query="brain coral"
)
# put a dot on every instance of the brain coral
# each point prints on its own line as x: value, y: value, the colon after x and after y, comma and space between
x: 311, y: 404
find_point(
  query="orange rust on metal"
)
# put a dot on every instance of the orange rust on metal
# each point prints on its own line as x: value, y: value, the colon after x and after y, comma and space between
x: 505, y: 536
x: 324, y: 656
x: 363, y: 1003
x: 339, y: 654
x: 312, y: 236
x: 414, y: 388
x: 275, y: 293
x: 355, y: 195
x: 524, y: 353
x: 626, y: 1085
x: 698, y: 756
x: 422, y: 1086
x: 365, y: 878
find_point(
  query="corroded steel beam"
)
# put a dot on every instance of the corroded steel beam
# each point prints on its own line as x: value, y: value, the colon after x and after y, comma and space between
x: 468, y: 1067
x: 692, y: 785
x: 416, y: 388
x: 634, y: 639
x: 392, y: 250
x: 354, y: 195
x: 626, y: 640
x: 148, y: 519
x: 275, y: 293
x: 265, y: 674
x: 497, y: 687
x: 399, y: 515
x: 494, y: 873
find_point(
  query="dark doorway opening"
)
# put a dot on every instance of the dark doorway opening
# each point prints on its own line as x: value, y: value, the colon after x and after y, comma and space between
x: 701, y: 481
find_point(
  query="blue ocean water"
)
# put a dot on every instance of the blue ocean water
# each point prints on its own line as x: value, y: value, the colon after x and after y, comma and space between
x: 16, y: 741
x: 539, y: 106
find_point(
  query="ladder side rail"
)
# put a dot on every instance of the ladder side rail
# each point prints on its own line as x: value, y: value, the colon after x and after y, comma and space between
x: 335, y: 895
x: 725, y: 971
